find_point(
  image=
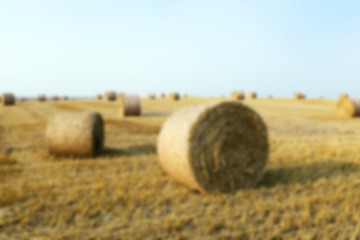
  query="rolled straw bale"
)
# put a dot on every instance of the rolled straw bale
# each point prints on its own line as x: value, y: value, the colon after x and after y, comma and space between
x: 238, y: 95
x: 174, y: 96
x: 299, y: 96
x: 75, y: 134
x: 130, y: 105
x: 98, y: 97
x: 7, y: 99
x: 152, y: 96
x: 270, y: 96
x: 110, y: 96
x: 64, y: 98
x: 252, y: 95
x: 55, y: 98
x: 41, y: 97
x: 219, y: 147
x: 185, y: 95
x: 163, y: 95
x: 348, y: 107
x: 343, y: 95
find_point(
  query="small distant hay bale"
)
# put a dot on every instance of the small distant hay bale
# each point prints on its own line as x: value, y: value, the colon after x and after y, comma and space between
x: 64, y: 98
x: 348, y: 107
x: 110, y: 96
x: 252, y: 95
x: 299, y: 96
x: 238, y: 95
x: 55, y: 98
x: 7, y: 99
x: 174, y: 96
x: 217, y: 148
x: 270, y: 96
x: 75, y: 134
x: 343, y: 95
x: 186, y: 95
x: 98, y: 97
x: 42, y: 98
x: 163, y: 95
x: 21, y: 99
x: 152, y: 96
x: 130, y: 105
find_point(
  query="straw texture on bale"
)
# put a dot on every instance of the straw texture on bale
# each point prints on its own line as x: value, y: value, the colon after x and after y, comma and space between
x: 7, y: 99
x: 110, y: 96
x: 252, y: 95
x: 238, y: 95
x: 343, y: 95
x: 41, y: 97
x: 174, y: 96
x: 152, y: 96
x: 215, y: 148
x: 348, y: 107
x: 299, y: 96
x: 130, y: 105
x: 75, y: 134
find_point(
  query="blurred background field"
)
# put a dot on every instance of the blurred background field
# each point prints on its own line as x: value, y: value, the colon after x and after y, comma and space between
x: 309, y: 189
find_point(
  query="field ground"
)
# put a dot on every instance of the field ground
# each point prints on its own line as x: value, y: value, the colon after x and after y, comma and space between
x: 310, y: 189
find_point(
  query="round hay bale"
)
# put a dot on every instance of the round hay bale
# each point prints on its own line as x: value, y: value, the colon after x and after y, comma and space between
x: 163, y: 95
x: 7, y: 99
x: 174, y: 96
x: 42, y: 98
x: 343, y: 95
x: 110, y: 96
x: 64, y: 98
x: 75, y: 134
x: 270, y: 96
x: 186, y: 95
x: 152, y: 96
x: 218, y: 148
x: 348, y: 107
x: 130, y: 105
x: 55, y: 98
x: 299, y: 96
x: 98, y: 97
x: 252, y: 95
x: 238, y: 95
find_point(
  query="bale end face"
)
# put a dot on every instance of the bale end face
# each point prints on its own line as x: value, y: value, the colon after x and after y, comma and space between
x: 7, y: 99
x: 75, y: 134
x: 215, y: 148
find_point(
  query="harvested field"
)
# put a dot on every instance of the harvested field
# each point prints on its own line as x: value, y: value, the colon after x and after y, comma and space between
x: 309, y: 189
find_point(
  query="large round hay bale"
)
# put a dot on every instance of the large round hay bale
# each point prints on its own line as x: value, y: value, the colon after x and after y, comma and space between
x: 343, y: 95
x: 348, y: 107
x: 252, y: 95
x: 219, y: 147
x: 130, y: 105
x: 41, y: 97
x: 174, y: 96
x: 152, y: 96
x: 7, y: 99
x: 238, y: 95
x: 75, y: 134
x: 299, y: 96
x: 110, y: 96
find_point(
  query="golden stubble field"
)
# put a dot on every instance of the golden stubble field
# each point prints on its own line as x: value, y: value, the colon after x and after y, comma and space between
x: 310, y: 189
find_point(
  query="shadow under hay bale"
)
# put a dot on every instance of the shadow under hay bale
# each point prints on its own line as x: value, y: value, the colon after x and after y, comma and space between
x: 148, y: 149
x: 217, y: 148
x: 348, y: 107
x: 7, y: 99
x: 75, y: 134
x: 307, y: 173
x: 130, y: 105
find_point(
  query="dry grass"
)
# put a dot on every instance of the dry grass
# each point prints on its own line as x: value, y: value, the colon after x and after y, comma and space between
x: 309, y: 189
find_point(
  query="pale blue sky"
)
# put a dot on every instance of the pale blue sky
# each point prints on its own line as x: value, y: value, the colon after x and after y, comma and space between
x: 205, y: 48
